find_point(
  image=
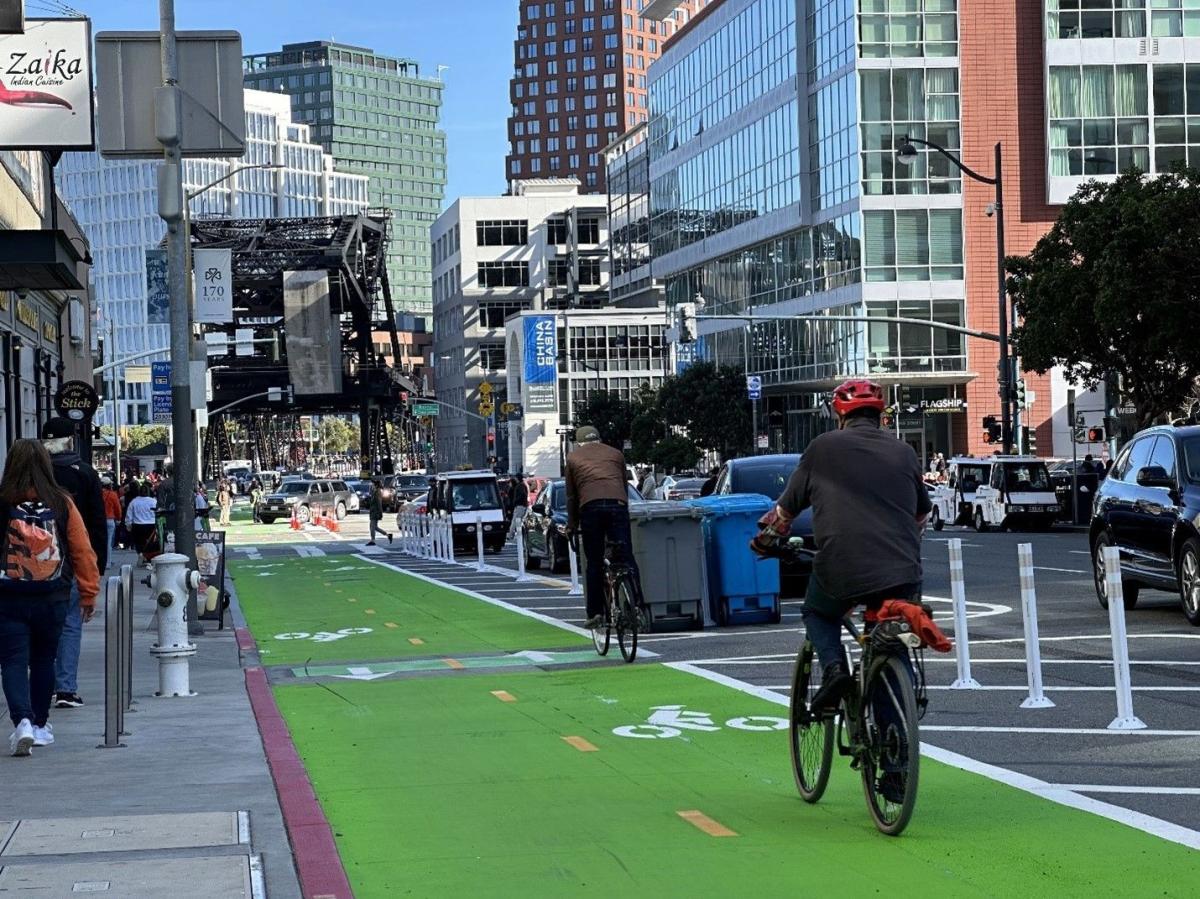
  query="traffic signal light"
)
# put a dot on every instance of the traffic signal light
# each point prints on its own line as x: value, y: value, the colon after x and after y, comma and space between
x: 992, y: 431
x: 687, y: 322
x: 1021, y: 393
x: 1095, y: 435
x: 1030, y: 441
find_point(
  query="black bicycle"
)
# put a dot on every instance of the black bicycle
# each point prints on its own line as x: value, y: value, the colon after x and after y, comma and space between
x: 875, y: 724
x: 623, y: 610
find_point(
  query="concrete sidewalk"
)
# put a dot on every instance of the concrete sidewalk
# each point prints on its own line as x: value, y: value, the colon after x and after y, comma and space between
x: 198, y: 762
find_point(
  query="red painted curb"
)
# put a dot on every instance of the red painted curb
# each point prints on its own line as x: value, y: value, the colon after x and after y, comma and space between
x: 317, y: 860
x: 245, y: 640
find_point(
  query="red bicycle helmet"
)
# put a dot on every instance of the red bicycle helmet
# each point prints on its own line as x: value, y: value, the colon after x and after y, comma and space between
x: 857, y: 394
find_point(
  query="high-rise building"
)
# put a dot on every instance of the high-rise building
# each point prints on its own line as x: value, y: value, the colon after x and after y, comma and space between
x: 768, y: 181
x: 116, y: 203
x: 579, y: 81
x: 377, y: 116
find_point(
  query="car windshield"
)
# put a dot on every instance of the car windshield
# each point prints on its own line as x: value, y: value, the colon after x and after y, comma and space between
x: 412, y: 481
x: 1027, y: 476
x: 971, y: 476
x: 764, y: 479
x: 558, y: 498
x: 470, y: 496
x: 294, y: 487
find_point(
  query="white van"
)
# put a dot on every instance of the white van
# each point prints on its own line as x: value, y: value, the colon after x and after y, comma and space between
x: 472, y: 500
x: 1018, y: 494
x: 965, y: 475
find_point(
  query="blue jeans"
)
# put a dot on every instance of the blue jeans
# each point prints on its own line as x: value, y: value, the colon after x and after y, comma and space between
x: 29, y: 632
x: 66, y: 665
x: 112, y: 530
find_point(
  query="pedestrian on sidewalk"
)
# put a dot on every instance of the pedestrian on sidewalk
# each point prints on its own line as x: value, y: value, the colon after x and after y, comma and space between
x: 143, y: 529
x: 520, y: 504
x: 83, y: 485
x: 112, y: 511
x: 164, y: 492
x: 225, y: 501
x: 49, y: 567
x: 203, y: 507
x: 256, y: 493
x: 376, y: 513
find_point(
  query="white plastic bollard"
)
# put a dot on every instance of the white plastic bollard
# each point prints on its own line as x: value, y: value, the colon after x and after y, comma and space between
x: 479, y: 564
x: 521, y: 573
x: 170, y: 580
x: 576, y: 589
x: 406, y: 524
x: 1126, y: 719
x: 958, y: 595
x: 428, y: 544
x: 445, y: 549
x: 1033, y: 648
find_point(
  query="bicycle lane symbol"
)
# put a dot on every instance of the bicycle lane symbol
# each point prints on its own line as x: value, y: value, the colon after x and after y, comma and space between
x: 324, y: 636
x: 668, y: 721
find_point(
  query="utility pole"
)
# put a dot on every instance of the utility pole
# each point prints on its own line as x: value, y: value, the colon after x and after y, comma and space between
x: 169, y: 126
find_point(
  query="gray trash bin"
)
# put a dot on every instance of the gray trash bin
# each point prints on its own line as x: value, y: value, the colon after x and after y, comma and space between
x: 668, y: 544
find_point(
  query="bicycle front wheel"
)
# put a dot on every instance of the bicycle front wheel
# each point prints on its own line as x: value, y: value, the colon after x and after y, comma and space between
x: 892, y: 763
x: 602, y: 634
x: 811, y: 739
x: 628, y: 619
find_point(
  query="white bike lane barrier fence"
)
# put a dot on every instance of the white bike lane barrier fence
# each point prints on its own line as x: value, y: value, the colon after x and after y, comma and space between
x: 576, y: 589
x: 1115, y: 591
x: 958, y: 595
x: 479, y: 563
x: 1033, y: 650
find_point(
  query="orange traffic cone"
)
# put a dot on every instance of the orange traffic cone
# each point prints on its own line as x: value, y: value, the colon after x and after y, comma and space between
x: 295, y: 520
x: 334, y: 527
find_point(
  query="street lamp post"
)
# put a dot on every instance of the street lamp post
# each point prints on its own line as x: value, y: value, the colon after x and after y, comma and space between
x: 907, y: 154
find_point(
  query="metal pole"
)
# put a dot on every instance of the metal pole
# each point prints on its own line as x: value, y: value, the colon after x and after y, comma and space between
x: 127, y: 592
x: 112, y: 665
x: 112, y: 341
x: 1006, y: 391
x: 1033, y: 652
x: 171, y: 202
x: 958, y: 595
x: 1074, y: 458
x: 1115, y: 591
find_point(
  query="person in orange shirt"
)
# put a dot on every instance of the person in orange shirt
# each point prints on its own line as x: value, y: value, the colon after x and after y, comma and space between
x: 112, y: 510
x: 46, y: 550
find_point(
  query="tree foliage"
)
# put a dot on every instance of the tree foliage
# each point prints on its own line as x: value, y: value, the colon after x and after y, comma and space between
x: 137, y: 437
x: 337, y: 435
x: 610, y: 414
x: 710, y: 405
x: 1114, y: 286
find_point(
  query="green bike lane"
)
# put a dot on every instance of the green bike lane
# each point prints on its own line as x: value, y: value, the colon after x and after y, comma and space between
x: 552, y: 781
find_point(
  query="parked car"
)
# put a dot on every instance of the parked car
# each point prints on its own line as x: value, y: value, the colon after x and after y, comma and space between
x: 545, y: 527
x: 306, y: 497
x: 684, y: 488
x: 405, y: 487
x: 1148, y: 507
x: 768, y: 475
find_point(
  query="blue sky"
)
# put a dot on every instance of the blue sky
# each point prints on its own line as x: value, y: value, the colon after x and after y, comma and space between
x: 473, y: 37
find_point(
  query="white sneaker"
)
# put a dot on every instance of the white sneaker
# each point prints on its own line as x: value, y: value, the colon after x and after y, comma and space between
x: 43, y: 736
x: 21, y: 741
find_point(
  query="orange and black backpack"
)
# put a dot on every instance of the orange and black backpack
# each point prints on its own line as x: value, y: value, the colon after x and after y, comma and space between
x: 33, y: 550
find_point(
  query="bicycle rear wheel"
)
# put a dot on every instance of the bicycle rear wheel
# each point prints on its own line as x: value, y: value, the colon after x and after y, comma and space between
x: 628, y: 619
x: 811, y: 741
x: 603, y: 634
x: 891, y: 767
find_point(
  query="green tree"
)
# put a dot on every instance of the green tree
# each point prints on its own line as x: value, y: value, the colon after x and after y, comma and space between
x: 710, y: 405
x: 610, y: 414
x: 1112, y: 287
x: 137, y: 437
x: 337, y: 435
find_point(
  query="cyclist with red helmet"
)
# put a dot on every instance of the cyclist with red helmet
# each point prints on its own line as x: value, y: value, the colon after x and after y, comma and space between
x: 869, y: 503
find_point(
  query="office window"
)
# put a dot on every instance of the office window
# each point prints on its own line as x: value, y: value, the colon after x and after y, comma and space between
x: 501, y: 233
x: 889, y: 28
x: 913, y: 244
x: 589, y: 272
x: 589, y: 230
x: 493, y: 314
x: 556, y: 229
x: 921, y: 103
x: 1099, y: 118
x: 1111, y: 18
x: 503, y: 274
x: 491, y: 356
x: 558, y: 272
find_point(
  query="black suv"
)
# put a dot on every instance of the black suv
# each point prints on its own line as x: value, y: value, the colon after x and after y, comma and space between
x: 1148, y: 507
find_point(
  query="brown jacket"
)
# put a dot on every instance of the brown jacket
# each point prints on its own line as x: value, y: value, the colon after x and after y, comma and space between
x: 594, y: 471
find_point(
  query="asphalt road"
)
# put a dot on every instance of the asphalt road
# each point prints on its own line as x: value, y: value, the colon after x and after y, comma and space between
x: 1068, y: 745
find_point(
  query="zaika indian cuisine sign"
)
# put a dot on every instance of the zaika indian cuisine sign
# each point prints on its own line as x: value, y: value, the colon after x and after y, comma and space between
x: 46, y: 86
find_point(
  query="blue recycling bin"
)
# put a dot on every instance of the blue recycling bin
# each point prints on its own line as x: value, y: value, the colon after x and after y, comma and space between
x: 740, y: 587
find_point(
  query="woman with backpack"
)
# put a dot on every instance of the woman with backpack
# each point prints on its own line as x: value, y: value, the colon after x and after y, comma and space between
x: 45, y: 548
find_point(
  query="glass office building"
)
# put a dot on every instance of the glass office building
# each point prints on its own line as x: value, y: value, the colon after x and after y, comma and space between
x: 378, y: 117
x: 116, y: 204
x: 774, y: 190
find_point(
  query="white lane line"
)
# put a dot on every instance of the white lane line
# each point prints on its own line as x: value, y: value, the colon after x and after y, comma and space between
x: 788, y: 657
x: 1024, y: 688
x: 1112, y: 788
x: 1147, y: 823
x: 987, y: 729
x: 1105, y: 637
x: 1063, y: 570
x: 1079, y: 552
x: 538, y: 616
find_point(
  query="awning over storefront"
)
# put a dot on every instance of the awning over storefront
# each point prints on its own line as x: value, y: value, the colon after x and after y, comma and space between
x: 40, y: 260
